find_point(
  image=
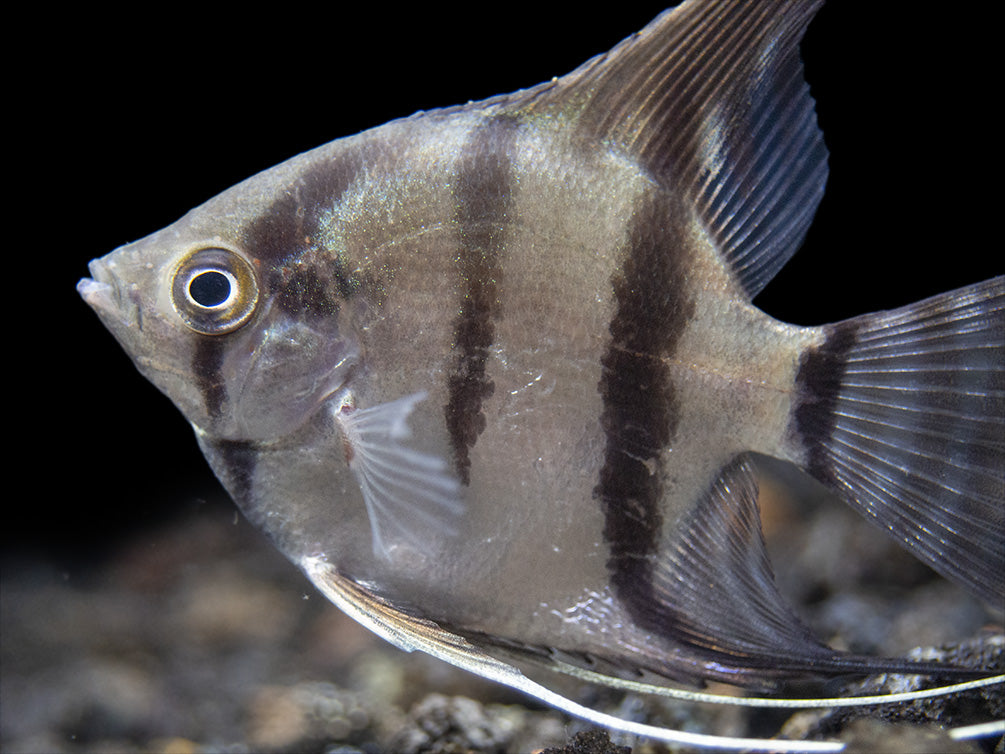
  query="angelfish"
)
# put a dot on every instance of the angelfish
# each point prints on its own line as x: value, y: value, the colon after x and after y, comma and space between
x: 491, y: 375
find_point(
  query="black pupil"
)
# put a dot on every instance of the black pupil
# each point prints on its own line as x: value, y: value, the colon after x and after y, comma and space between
x: 209, y: 288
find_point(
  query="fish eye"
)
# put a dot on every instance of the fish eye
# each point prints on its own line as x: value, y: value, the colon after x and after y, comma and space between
x: 211, y: 288
x: 214, y: 291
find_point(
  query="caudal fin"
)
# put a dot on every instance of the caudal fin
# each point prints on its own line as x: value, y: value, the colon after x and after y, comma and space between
x: 903, y: 413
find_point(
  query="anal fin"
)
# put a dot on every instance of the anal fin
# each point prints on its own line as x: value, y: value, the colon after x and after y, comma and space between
x: 714, y: 592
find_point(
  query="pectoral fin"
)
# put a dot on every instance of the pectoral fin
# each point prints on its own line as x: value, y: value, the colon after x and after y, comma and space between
x: 408, y: 493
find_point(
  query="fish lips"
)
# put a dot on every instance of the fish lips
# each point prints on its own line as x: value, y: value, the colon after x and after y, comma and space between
x: 118, y: 307
x: 103, y: 294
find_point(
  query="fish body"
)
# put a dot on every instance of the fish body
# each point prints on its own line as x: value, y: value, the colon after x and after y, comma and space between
x: 491, y: 375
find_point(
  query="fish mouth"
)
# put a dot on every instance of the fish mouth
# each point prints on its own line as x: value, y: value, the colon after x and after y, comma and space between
x: 102, y: 293
x: 99, y: 291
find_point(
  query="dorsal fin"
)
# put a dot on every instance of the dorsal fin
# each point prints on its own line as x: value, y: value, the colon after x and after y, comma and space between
x: 710, y: 99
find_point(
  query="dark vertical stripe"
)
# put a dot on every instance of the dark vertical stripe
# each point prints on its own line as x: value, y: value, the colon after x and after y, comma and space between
x: 641, y: 411
x: 483, y: 196
x: 304, y: 278
x: 207, y: 360
x: 286, y: 229
x: 818, y: 383
x: 290, y: 224
x: 234, y: 463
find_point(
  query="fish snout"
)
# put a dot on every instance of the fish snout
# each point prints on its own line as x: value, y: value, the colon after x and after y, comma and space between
x: 103, y: 293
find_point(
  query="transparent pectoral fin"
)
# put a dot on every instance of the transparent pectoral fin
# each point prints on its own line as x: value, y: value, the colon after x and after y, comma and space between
x: 409, y: 494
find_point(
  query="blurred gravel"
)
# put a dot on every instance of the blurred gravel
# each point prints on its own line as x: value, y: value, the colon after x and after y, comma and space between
x: 200, y: 638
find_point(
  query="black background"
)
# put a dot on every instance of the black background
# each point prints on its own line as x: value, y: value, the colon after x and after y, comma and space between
x: 123, y: 123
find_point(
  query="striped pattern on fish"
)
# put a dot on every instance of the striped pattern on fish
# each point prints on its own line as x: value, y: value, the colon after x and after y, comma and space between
x: 503, y: 372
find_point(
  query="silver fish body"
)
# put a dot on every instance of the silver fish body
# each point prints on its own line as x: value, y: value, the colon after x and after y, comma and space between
x: 496, y: 367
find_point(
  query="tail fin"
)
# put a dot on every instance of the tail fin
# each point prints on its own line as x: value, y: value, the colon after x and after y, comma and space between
x: 903, y: 413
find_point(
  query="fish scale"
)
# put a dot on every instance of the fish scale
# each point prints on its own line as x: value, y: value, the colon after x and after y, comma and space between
x: 501, y: 373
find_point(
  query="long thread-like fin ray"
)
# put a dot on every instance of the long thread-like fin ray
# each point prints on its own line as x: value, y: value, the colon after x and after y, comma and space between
x: 410, y: 633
